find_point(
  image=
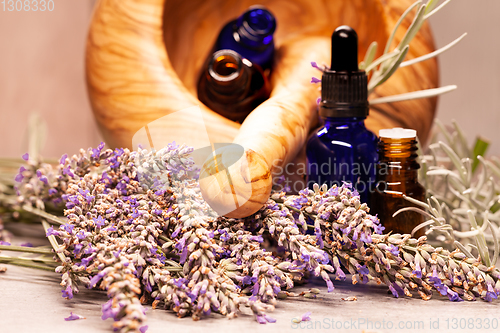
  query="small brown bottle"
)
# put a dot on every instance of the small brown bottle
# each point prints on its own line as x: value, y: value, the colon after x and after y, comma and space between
x: 232, y: 86
x: 397, y: 174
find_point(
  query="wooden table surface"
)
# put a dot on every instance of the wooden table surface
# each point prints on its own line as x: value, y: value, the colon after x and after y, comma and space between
x: 30, y: 301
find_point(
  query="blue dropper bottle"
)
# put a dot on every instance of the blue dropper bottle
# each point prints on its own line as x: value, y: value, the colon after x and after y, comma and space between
x: 343, y: 150
x: 251, y: 35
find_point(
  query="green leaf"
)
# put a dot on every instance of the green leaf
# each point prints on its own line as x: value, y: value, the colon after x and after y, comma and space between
x: 430, y: 5
x: 413, y: 95
x: 495, y: 207
x: 398, y: 23
x: 433, y: 54
x: 387, y: 74
x: 480, y: 148
x: 427, y: 15
x: 380, y: 60
x: 455, y: 160
x: 370, y: 54
x: 413, y: 28
x: 462, y: 139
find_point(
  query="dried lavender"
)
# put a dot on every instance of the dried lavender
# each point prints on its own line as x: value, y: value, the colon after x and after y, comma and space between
x: 5, y: 236
x: 136, y: 225
x: 353, y: 239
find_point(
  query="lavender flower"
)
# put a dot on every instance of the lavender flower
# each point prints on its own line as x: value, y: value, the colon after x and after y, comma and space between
x: 137, y: 226
x: 73, y: 316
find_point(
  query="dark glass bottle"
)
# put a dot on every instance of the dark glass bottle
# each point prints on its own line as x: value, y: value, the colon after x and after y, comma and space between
x: 343, y: 150
x: 251, y: 35
x: 232, y: 86
x: 397, y: 174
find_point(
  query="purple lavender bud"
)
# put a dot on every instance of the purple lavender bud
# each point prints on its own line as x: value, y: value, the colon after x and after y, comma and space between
x: 87, y: 260
x: 73, y: 316
x: 453, y: 296
x: 490, y: 294
x: 68, y: 227
x: 107, y: 310
x: 19, y: 178
x: 99, y: 221
x: 176, y: 232
x: 393, y: 290
x: 269, y: 319
x: 26, y: 157
x: 68, y: 292
x: 255, y: 289
x: 111, y: 228
x: 393, y: 249
x: 77, y: 249
x: 315, y: 80
x: 67, y: 171
x: 417, y: 271
x: 306, y: 316
x: 330, y: 285
x: 362, y: 269
x: 62, y: 161
x: 52, y: 232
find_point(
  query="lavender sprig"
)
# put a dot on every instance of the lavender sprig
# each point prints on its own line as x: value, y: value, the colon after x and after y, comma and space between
x: 405, y: 264
x: 137, y: 226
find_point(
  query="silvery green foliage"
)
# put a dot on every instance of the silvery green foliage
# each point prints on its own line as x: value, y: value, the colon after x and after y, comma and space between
x: 383, y: 67
x: 463, y: 200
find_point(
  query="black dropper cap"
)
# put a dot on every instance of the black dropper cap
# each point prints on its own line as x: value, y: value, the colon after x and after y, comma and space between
x: 344, y: 88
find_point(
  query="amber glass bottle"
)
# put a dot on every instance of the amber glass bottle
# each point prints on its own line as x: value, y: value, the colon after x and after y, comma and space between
x: 232, y: 86
x: 397, y: 174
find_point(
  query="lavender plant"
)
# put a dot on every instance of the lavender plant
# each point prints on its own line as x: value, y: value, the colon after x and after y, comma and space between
x: 135, y: 225
x: 463, y: 195
x: 383, y: 67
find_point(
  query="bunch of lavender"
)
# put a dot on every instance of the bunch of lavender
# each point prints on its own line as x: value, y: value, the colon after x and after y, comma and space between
x: 127, y: 212
x: 353, y: 240
x: 136, y: 225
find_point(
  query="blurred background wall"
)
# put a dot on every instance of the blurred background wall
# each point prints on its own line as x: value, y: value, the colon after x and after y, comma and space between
x: 42, y: 71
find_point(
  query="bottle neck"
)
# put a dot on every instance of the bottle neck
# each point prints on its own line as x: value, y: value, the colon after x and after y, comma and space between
x: 344, y: 121
x: 227, y: 76
x: 255, y: 27
x: 398, y: 160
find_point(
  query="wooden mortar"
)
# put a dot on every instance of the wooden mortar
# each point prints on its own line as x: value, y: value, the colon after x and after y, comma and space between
x: 143, y: 59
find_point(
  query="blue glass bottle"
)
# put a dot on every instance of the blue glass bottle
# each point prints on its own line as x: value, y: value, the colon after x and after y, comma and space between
x: 343, y: 150
x: 251, y: 35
